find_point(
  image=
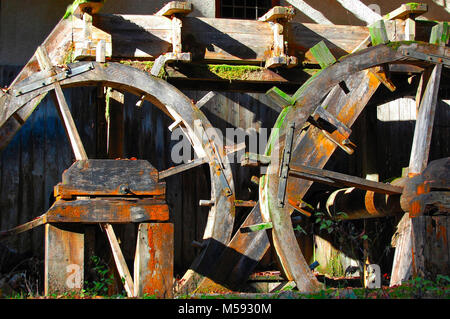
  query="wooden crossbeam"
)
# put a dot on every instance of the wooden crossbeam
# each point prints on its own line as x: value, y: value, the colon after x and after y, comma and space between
x: 309, y: 11
x: 407, y: 10
x: 194, y: 163
x: 278, y: 12
x: 338, y: 179
x: 279, y: 97
x: 175, y: 7
x: 360, y: 10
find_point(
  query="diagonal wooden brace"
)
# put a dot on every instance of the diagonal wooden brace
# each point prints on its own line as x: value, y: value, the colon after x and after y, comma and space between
x: 277, y: 18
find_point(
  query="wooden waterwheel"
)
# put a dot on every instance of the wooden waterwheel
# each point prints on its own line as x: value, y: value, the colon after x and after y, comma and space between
x: 313, y: 122
x: 24, y: 95
x: 301, y: 149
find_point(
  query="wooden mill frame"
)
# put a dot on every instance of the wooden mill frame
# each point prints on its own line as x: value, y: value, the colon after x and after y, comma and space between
x: 350, y: 64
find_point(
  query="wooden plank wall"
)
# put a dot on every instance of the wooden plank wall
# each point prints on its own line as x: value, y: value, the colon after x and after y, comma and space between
x: 33, y: 162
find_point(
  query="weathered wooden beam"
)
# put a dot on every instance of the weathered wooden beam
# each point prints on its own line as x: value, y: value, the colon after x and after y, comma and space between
x: 38, y: 221
x: 424, y: 123
x: 322, y: 54
x: 335, y: 179
x: 279, y: 97
x: 360, y: 10
x: 194, y: 163
x: 99, y: 177
x: 403, y: 257
x: 182, y: 168
x: 175, y: 7
x: 102, y: 210
x: 440, y: 34
x: 309, y: 11
x: 234, y: 40
x: 64, y: 259
x: 63, y: 109
x: 278, y: 12
x: 153, y: 262
x: 407, y: 10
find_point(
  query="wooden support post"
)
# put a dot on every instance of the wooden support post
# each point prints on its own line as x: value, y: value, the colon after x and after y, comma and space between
x: 173, y: 10
x: 64, y: 260
x: 64, y: 249
x: 153, y: 264
x: 277, y: 17
x: 408, y: 230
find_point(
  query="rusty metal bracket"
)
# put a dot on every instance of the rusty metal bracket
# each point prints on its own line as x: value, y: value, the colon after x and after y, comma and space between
x: 46, y: 81
x: 173, y: 10
x: 426, y: 57
x: 253, y: 159
x: 277, y: 18
x: 284, y: 169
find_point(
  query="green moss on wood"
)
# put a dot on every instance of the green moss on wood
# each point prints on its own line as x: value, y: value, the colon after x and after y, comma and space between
x: 144, y: 66
x: 233, y: 72
x: 413, y: 5
x: 71, y: 8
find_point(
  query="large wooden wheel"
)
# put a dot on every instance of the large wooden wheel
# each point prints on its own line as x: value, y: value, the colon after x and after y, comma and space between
x: 22, y: 100
x: 295, y: 146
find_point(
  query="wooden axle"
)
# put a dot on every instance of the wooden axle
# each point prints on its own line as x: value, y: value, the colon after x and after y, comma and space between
x: 359, y: 204
x: 336, y: 179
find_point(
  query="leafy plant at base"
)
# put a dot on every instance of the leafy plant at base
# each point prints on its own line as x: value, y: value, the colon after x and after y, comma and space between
x: 99, y: 287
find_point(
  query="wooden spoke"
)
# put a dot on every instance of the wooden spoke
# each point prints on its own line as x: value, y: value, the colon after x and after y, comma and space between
x: 337, y: 179
x: 122, y: 267
x: 403, y: 258
x: 424, y: 123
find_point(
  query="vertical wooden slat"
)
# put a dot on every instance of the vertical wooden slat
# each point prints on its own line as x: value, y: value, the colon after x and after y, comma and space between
x: 403, y: 262
x: 424, y: 123
x: 115, y: 124
x: 64, y: 260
